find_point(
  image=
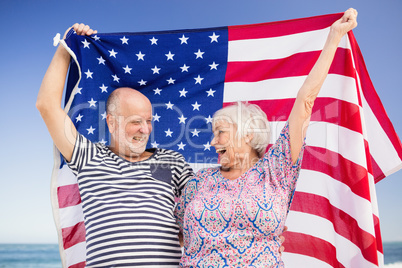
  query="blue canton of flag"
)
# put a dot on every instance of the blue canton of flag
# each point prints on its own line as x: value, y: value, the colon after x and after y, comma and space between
x: 181, y: 72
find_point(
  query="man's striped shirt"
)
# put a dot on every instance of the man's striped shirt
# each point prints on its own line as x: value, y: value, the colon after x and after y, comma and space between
x: 128, y: 206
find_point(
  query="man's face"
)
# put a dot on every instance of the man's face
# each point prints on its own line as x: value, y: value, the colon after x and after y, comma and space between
x: 132, y: 129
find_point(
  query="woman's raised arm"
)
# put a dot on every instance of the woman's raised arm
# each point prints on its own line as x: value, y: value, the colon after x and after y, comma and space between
x: 299, y: 118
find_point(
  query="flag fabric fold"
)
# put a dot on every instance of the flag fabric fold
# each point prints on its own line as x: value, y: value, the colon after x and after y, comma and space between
x: 189, y: 74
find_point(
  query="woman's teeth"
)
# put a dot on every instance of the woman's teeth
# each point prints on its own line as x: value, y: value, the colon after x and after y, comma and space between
x: 221, y: 151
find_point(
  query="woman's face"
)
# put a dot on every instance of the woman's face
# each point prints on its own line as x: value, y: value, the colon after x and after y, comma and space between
x: 232, y: 150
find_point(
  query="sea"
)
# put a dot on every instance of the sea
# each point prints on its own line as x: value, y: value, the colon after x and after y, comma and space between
x: 47, y: 256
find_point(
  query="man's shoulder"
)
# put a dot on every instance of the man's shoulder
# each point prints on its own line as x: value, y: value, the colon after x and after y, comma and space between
x: 85, y: 142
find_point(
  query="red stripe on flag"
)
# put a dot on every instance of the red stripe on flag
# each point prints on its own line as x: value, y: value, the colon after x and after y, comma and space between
x: 299, y: 64
x: 373, y: 100
x: 377, y: 231
x: 343, y: 223
x: 78, y: 265
x: 311, y: 246
x: 335, y: 111
x: 339, y: 168
x: 68, y: 195
x: 73, y: 235
x: 281, y: 28
x: 376, y: 170
x: 372, y: 166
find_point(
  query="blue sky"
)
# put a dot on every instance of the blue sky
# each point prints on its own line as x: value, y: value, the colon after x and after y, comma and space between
x: 27, y: 28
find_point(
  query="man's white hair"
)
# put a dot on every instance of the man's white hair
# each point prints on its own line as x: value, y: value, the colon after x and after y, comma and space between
x: 249, y: 119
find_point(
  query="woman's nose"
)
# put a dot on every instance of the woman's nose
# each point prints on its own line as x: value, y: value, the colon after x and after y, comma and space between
x: 214, y: 141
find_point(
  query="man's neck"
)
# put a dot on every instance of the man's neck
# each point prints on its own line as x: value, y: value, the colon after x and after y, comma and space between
x: 131, y: 157
x: 137, y: 158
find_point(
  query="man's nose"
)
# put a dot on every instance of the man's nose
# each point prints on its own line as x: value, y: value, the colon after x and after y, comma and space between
x: 145, y: 128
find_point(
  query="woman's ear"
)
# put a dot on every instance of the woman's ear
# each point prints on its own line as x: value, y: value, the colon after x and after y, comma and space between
x: 249, y: 137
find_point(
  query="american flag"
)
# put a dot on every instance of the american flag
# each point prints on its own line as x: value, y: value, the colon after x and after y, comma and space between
x: 189, y: 74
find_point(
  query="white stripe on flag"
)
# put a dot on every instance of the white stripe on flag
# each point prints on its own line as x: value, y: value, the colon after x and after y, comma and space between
x: 326, y: 135
x: 287, y: 88
x: 379, y: 143
x: 337, y: 139
x: 75, y: 254
x: 70, y: 216
x: 339, y: 195
x: 347, y: 253
x: 274, y: 48
x: 66, y: 177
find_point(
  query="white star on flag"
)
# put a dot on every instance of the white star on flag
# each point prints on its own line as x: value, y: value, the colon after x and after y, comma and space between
x: 182, y: 119
x: 140, y: 56
x: 207, y: 146
x: 157, y: 91
x: 91, y: 130
x: 183, y: 39
x: 78, y: 118
x: 214, y: 37
x: 195, y: 132
x: 169, y: 106
x: 184, y: 68
x: 199, y: 54
x: 170, y: 81
x: 168, y: 133
x: 210, y: 92
x: 156, y: 70
x: 169, y: 56
x: 127, y: 69
x: 112, y: 53
x: 209, y: 119
x: 183, y: 92
x: 196, y: 106
x: 104, y: 88
x: 89, y: 74
x: 153, y: 41
x: 124, y: 40
x: 154, y: 144
x: 156, y: 117
x: 101, y: 60
x: 116, y: 78
x: 181, y: 146
x: 104, y: 115
x: 92, y: 102
x: 86, y: 44
x: 198, y: 79
x: 214, y: 66
x: 103, y: 141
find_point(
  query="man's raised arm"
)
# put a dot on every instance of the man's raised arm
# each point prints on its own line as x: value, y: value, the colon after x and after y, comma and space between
x: 48, y: 102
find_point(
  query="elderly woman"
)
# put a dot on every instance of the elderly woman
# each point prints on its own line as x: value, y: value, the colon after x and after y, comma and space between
x: 233, y: 214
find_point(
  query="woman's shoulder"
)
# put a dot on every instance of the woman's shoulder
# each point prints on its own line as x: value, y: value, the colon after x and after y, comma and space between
x: 207, y: 171
x: 204, y: 174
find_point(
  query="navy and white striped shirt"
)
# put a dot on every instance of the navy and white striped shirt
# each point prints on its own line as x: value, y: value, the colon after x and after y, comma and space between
x: 128, y: 206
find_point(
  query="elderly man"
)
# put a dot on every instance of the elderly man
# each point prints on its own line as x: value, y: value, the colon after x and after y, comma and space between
x: 127, y: 192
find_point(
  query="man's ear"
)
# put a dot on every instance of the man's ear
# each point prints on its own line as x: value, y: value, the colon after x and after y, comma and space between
x: 111, y: 123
